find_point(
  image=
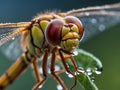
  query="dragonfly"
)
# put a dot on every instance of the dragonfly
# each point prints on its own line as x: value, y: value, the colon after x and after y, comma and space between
x: 49, y: 34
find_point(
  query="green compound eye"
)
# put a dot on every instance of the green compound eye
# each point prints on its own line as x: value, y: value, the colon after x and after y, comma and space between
x: 77, y: 22
x: 74, y: 28
x: 65, y: 30
x: 65, y: 33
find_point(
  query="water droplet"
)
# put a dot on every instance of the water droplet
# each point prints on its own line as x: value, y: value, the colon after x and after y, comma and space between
x: 40, y: 86
x: 77, y: 73
x: 40, y: 70
x: 89, y: 71
x: 57, y: 67
x: 13, y: 38
x: 75, y: 53
x: 87, y: 14
x: 93, y: 78
x: 94, y: 21
x: 59, y: 87
x: 98, y: 72
x: 81, y: 69
x: 49, y: 71
x: 101, y: 27
x: 69, y: 75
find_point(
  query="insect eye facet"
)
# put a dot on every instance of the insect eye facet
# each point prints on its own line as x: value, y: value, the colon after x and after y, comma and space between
x: 74, y: 28
x: 72, y: 32
x: 65, y: 33
x: 77, y: 22
x: 65, y: 30
x: 53, y: 32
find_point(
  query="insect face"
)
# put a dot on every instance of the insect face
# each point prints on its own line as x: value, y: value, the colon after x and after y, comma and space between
x: 65, y: 33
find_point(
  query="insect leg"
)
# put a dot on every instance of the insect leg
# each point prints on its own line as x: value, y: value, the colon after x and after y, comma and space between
x: 67, y: 68
x: 44, y: 68
x: 36, y: 70
x: 75, y: 65
x: 54, y: 73
x: 73, y: 61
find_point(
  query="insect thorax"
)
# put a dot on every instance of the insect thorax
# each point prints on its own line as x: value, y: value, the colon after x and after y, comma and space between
x: 36, y: 42
x: 34, y: 39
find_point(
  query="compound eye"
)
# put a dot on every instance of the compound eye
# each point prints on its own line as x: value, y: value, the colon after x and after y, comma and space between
x: 72, y: 32
x: 65, y: 33
x: 53, y: 32
x: 77, y: 22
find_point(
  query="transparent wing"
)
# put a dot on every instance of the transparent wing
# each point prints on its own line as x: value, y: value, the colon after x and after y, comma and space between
x: 7, y: 36
x: 11, y: 32
x: 98, y: 24
x: 97, y: 19
x: 6, y: 33
x: 11, y: 50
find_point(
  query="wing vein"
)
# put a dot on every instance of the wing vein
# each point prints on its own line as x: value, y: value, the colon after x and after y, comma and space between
x: 10, y: 25
x: 5, y: 37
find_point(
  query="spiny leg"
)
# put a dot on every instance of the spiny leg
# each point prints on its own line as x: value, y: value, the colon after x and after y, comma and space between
x: 67, y: 68
x: 44, y: 68
x: 36, y: 70
x: 53, y: 72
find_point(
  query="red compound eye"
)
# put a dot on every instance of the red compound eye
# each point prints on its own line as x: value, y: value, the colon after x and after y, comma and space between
x: 53, y: 32
x: 76, y: 21
x: 63, y: 32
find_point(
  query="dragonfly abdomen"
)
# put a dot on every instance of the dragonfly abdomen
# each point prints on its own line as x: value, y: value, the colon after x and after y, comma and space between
x: 16, y: 70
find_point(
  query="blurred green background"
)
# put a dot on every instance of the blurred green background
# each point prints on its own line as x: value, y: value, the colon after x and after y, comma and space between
x: 105, y: 46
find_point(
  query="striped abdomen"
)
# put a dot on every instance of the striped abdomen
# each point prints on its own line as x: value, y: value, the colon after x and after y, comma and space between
x: 15, y: 70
